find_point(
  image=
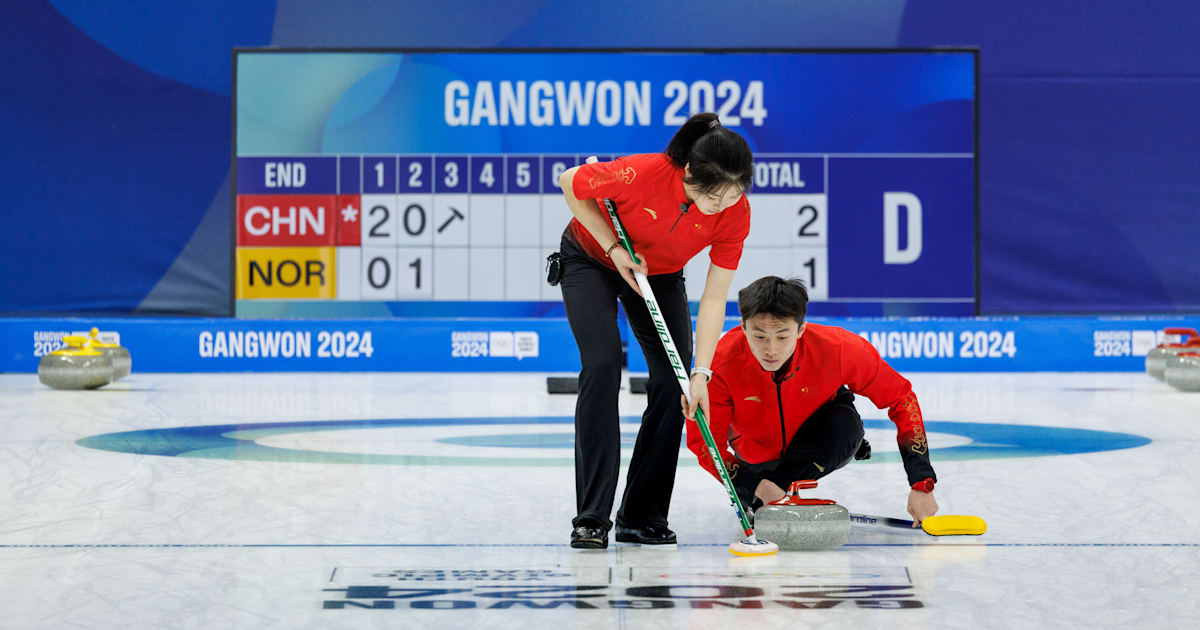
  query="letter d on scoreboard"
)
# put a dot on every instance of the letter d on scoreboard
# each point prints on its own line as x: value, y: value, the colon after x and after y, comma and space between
x: 902, y: 227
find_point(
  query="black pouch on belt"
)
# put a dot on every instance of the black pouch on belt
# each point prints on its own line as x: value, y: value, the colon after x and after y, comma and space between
x: 553, y: 269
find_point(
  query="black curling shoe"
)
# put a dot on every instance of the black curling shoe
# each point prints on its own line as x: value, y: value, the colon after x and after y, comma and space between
x: 650, y: 535
x: 588, y: 537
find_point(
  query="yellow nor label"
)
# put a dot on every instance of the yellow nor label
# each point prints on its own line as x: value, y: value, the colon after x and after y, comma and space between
x: 286, y: 272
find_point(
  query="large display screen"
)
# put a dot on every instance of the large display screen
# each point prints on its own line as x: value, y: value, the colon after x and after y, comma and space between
x: 374, y: 183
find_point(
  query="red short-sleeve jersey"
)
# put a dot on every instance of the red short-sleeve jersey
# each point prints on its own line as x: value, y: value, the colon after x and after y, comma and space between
x: 664, y: 226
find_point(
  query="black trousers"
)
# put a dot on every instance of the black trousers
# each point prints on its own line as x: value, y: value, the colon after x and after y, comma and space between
x: 590, y: 293
x: 826, y: 441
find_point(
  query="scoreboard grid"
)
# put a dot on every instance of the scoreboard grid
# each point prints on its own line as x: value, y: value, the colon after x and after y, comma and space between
x: 482, y: 249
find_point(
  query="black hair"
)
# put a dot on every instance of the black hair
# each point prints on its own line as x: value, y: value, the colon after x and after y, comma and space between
x: 716, y: 156
x: 774, y: 296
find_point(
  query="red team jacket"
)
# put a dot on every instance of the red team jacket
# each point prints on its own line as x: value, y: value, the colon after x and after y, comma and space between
x: 757, y: 417
x: 647, y: 190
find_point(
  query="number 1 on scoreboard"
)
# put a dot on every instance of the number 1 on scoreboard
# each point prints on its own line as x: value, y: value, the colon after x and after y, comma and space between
x: 811, y: 264
x: 414, y: 278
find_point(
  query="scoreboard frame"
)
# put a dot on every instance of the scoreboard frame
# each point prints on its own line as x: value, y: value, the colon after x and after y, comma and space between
x: 975, y: 144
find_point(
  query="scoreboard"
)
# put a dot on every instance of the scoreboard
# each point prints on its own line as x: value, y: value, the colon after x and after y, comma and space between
x: 394, y: 182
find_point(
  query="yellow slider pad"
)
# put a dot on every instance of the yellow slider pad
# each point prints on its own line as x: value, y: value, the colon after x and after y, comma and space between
x: 954, y: 525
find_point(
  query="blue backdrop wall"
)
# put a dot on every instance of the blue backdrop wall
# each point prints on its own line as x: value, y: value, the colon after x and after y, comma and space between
x: 115, y: 155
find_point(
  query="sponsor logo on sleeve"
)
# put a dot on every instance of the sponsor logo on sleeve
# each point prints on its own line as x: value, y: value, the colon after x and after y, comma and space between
x: 626, y: 175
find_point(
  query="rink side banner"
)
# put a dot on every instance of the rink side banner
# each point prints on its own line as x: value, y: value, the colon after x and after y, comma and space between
x: 1066, y: 344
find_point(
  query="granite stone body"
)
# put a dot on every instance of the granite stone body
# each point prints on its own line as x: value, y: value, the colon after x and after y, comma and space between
x: 75, y: 371
x: 803, y: 527
x: 1183, y: 372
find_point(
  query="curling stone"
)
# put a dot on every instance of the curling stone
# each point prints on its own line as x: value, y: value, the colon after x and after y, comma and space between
x: 798, y: 524
x: 77, y: 366
x: 121, y: 359
x: 1182, y: 339
x: 1183, y: 371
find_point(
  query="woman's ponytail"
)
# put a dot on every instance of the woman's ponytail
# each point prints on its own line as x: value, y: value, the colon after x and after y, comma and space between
x: 717, y: 157
x: 680, y: 148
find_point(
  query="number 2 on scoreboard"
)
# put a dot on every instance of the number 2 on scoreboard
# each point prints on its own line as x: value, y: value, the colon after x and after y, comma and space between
x: 414, y: 175
x: 808, y: 215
